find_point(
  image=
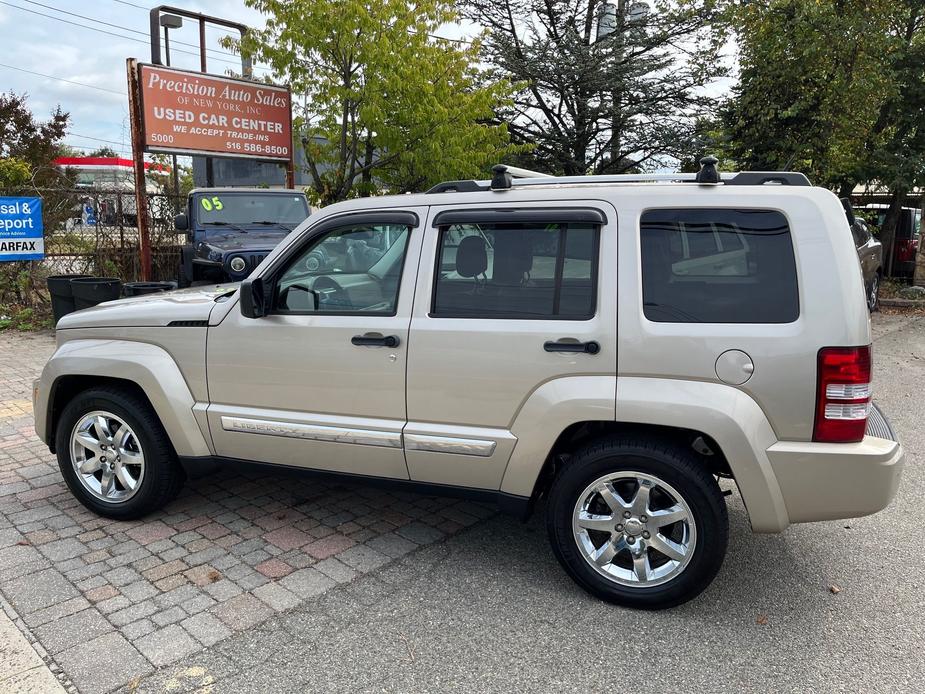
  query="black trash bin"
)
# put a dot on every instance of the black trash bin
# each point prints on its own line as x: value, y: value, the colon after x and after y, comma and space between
x: 90, y: 291
x: 140, y: 288
x: 62, y: 299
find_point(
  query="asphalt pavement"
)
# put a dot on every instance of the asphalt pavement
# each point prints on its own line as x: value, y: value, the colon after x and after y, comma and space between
x: 823, y: 607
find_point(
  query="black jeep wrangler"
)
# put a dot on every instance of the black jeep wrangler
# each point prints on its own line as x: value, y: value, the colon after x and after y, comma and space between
x: 231, y: 230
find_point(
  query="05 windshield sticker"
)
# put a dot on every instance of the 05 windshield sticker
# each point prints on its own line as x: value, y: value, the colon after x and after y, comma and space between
x: 213, y: 203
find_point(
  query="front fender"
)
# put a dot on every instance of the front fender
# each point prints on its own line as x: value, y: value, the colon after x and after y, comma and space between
x: 148, y: 366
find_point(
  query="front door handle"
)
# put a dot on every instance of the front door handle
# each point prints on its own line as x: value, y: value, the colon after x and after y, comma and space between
x: 591, y: 347
x: 375, y: 340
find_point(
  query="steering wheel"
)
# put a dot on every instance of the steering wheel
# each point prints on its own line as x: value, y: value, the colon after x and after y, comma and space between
x: 296, y: 293
x: 330, y: 292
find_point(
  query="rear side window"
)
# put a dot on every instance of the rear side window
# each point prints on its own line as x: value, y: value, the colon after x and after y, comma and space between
x: 517, y: 270
x: 718, y: 266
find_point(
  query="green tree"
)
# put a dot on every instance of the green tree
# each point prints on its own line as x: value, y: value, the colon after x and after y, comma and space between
x: 813, y: 77
x: 104, y: 151
x: 604, y: 89
x: 14, y: 172
x: 381, y: 103
x: 834, y: 88
x: 28, y: 140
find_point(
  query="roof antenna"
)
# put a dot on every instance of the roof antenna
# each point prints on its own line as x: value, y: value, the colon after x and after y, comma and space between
x: 501, y: 178
x: 708, y: 172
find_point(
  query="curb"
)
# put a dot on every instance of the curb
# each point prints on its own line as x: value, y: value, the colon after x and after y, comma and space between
x: 37, y: 672
x: 903, y: 303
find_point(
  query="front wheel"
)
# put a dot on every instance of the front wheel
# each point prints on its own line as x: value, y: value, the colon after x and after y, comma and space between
x: 638, y: 523
x: 114, y: 454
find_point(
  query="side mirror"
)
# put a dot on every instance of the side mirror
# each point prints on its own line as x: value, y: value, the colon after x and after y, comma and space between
x: 181, y: 222
x: 253, y: 298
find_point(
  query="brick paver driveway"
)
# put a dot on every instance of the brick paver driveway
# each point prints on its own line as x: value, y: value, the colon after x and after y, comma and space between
x: 111, y: 601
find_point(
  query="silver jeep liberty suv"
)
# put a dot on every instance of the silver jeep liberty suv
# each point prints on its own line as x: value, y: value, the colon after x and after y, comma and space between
x: 611, y: 345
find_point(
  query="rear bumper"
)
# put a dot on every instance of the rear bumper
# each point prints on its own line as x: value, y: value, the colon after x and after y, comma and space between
x: 826, y: 481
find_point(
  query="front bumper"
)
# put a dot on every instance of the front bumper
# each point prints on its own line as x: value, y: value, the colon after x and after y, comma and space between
x: 39, y: 408
x: 827, y: 481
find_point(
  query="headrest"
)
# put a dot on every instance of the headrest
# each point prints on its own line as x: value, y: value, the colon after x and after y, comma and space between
x: 513, y: 257
x: 471, y: 257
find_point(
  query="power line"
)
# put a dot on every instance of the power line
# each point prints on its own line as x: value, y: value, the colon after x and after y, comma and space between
x: 103, y: 31
x: 132, y: 4
x: 61, y: 79
x: 98, y: 139
x: 118, y: 26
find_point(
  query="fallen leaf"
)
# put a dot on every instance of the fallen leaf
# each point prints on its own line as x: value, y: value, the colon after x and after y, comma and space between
x: 214, y: 576
x: 762, y: 619
x: 834, y: 589
x: 281, y: 515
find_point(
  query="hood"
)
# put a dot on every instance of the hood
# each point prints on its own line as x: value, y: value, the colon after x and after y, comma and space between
x: 151, y: 310
x: 262, y: 239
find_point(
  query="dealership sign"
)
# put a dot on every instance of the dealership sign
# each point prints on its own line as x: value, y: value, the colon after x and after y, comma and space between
x: 21, y: 229
x: 194, y: 113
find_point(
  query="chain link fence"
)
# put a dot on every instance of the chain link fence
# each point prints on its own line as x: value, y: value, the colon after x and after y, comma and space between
x: 93, y: 231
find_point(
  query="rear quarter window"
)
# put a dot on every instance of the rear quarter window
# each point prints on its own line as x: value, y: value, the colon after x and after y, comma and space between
x: 717, y: 265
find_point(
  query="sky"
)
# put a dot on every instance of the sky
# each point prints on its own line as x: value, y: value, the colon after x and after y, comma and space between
x: 59, y: 49
x: 79, y: 47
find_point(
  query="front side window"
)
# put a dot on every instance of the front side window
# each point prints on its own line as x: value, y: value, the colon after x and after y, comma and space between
x: 718, y: 266
x: 517, y: 270
x: 354, y: 269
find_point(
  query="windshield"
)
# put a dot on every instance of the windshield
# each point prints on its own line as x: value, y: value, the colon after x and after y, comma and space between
x: 249, y: 208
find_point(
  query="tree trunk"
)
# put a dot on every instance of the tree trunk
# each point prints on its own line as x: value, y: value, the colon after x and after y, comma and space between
x: 367, y: 177
x: 888, y: 230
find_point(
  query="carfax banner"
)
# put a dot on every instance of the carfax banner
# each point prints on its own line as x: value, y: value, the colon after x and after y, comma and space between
x: 21, y: 230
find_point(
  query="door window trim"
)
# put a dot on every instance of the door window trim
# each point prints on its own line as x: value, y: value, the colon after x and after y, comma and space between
x: 545, y: 215
x: 549, y: 215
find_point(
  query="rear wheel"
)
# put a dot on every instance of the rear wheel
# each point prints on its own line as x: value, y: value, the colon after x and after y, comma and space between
x: 115, y: 455
x: 638, y: 523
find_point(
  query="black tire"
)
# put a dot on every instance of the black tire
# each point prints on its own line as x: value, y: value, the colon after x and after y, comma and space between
x: 673, y: 465
x: 163, y: 476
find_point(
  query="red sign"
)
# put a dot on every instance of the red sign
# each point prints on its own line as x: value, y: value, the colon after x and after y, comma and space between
x: 193, y: 113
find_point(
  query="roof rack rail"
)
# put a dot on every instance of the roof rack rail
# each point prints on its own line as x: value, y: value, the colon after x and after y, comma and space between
x: 505, y: 178
x: 761, y: 178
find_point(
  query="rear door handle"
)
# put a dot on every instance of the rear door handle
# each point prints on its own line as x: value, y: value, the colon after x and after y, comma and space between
x: 375, y: 340
x: 591, y: 347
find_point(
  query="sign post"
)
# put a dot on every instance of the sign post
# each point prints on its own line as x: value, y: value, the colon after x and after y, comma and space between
x: 138, y: 157
x: 21, y: 230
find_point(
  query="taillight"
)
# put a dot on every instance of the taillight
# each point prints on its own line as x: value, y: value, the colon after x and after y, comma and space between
x: 905, y: 250
x: 843, y: 396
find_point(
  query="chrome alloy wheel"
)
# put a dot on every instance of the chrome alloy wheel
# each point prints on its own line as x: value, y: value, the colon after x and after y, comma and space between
x: 634, y: 529
x: 107, y: 456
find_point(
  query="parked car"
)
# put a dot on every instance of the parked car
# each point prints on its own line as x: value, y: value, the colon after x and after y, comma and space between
x: 908, y: 230
x: 609, y: 345
x: 231, y: 230
x: 870, y: 255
